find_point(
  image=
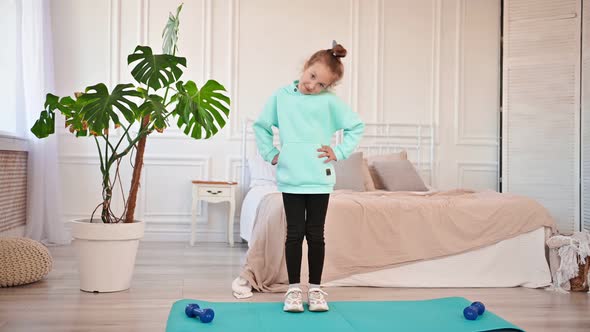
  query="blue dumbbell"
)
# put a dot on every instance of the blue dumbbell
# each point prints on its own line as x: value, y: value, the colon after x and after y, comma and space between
x: 475, y: 309
x: 193, y: 310
x: 480, y: 307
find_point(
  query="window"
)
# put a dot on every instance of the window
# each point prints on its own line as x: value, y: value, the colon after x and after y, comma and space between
x: 9, y: 80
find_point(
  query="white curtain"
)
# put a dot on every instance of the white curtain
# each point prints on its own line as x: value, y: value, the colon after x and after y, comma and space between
x: 44, y: 221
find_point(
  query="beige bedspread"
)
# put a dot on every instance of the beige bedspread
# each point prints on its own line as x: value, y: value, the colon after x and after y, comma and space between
x: 371, y: 231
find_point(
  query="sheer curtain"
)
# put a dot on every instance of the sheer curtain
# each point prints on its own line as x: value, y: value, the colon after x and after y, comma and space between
x: 44, y: 221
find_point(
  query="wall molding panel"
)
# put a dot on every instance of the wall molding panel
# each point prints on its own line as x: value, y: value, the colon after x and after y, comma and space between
x: 415, y: 68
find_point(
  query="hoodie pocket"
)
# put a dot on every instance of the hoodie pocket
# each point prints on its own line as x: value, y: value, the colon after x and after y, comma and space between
x: 299, y: 165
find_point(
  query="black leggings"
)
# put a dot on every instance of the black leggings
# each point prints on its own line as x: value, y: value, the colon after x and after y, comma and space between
x: 306, y: 215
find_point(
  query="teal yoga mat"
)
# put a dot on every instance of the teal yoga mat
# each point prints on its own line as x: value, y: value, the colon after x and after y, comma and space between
x: 444, y: 314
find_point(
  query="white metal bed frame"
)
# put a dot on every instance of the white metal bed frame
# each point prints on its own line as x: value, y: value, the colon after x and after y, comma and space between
x: 378, y: 139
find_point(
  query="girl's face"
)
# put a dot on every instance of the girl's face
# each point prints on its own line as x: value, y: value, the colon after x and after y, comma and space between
x: 315, y: 79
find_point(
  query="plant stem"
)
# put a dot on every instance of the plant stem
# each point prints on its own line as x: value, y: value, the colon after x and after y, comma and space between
x: 102, y: 166
x: 106, y: 150
x: 106, y: 187
x: 108, y: 194
x: 123, y: 136
x: 142, y: 132
x: 108, y: 143
x: 132, y: 199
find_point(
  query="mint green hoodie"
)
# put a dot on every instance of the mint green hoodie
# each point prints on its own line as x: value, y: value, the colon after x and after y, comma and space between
x: 306, y: 122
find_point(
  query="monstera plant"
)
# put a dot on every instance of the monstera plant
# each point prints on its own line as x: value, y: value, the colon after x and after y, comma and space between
x: 138, y: 111
x: 119, y: 121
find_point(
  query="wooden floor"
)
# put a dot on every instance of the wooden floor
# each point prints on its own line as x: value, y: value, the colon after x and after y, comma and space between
x: 166, y: 272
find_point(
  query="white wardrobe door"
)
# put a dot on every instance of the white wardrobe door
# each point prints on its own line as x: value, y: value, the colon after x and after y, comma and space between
x: 586, y: 116
x: 541, y: 99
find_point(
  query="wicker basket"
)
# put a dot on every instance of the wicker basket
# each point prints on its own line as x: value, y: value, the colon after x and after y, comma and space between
x: 580, y: 283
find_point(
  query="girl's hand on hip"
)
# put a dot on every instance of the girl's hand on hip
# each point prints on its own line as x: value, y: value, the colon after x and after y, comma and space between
x: 328, y: 153
x: 275, y: 160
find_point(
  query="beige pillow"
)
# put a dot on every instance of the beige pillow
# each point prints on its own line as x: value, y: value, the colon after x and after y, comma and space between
x: 368, y: 179
x: 377, y: 184
x: 399, y: 175
x: 349, y: 173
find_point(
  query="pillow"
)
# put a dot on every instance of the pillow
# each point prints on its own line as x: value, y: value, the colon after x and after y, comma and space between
x: 349, y: 173
x: 399, y: 175
x: 377, y: 184
x: 262, y: 173
x: 369, y: 183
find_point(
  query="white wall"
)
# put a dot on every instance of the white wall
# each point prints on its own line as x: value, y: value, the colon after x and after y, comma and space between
x: 422, y: 61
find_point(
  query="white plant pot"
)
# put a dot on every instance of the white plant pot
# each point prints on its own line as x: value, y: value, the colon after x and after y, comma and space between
x: 106, y: 254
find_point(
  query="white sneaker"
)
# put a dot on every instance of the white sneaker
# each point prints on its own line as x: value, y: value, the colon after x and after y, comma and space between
x: 293, y: 300
x: 316, y: 300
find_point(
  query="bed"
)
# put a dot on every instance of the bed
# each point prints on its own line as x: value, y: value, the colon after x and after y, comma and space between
x: 398, y: 238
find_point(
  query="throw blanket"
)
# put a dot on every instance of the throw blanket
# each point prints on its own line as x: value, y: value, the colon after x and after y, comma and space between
x: 370, y: 231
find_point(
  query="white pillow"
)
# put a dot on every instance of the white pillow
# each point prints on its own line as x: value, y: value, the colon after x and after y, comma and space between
x: 262, y: 173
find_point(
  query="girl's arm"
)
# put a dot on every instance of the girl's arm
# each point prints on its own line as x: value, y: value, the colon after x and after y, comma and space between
x: 263, y: 130
x: 351, y: 123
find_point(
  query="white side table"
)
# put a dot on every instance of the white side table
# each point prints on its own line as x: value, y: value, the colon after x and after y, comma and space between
x: 214, y: 192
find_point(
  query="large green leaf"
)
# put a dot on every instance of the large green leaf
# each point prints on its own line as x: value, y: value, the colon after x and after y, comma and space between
x: 45, y: 125
x: 202, y: 113
x: 69, y: 107
x: 170, y: 33
x: 155, y: 70
x: 155, y: 108
x: 99, y: 106
x: 72, y: 110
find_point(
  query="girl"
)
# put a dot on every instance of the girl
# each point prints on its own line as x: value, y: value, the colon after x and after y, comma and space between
x: 307, y: 115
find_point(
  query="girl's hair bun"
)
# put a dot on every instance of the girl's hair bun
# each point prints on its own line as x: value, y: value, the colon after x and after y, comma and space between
x: 338, y: 51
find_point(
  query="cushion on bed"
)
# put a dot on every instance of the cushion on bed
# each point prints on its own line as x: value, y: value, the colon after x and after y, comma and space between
x: 349, y: 173
x: 399, y: 175
x: 262, y: 173
x: 368, y: 179
x: 377, y: 184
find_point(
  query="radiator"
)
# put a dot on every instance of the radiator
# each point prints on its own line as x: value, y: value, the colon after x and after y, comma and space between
x: 13, y: 189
